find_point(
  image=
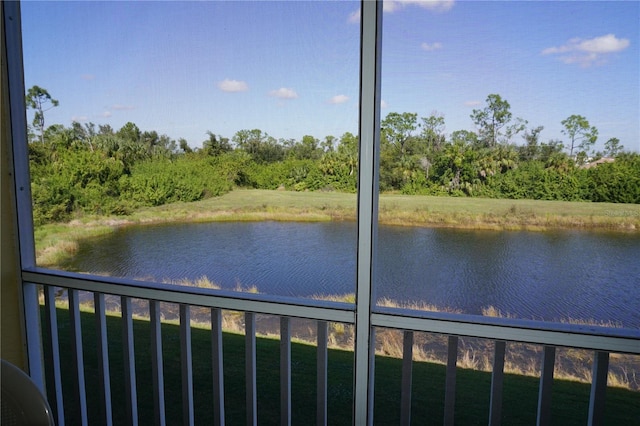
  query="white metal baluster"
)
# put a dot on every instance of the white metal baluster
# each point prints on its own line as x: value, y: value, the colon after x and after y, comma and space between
x: 77, y: 355
x: 53, y: 345
x: 131, y: 394
x: 450, y: 386
x: 157, y: 369
x: 217, y: 367
x: 546, y: 384
x: 186, y: 362
x: 104, y: 379
x: 321, y: 373
x: 368, y: 183
x: 285, y: 371
x: 250, y: 368
x: 407, y: 372
x: 35, y: 348
x: 497, y: 379
x: 598, y: 388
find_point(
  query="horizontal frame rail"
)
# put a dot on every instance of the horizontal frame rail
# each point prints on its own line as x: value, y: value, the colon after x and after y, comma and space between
x: 193, y: 296
x: 523, y: 331
x: 622, y: 340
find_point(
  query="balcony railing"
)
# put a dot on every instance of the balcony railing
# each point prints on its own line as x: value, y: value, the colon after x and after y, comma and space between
x: 43, y: 333
x: 501, y: 330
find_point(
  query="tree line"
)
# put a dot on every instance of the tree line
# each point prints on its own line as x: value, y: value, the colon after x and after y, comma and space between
x: 89, y: 169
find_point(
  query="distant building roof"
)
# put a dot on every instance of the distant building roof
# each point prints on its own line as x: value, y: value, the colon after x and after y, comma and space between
x: 598, y: 162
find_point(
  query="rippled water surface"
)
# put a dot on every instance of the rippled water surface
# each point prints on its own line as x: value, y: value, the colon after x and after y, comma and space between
x: 540, y: 275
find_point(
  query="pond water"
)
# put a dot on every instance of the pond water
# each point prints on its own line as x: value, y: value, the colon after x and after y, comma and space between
x: 536, y: 275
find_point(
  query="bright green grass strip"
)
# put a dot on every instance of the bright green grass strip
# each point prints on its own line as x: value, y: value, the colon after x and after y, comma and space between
x: 570, y: 399
x: 341, y: 203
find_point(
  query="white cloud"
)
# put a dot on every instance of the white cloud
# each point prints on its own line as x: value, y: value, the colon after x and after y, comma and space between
x: 472, y: 103
x: 354, y: 17
x: 433, y: 5
x: 339, y: 99
x: 395, y: 5
x: 228, y: 85
x: 605, y: 44
x: 283, y: 93
x: 390, y: 6
x: 430, y: 47
x: 106, y: 114
x: 589, y: 51
x: 383, y: 104
x: 88, y: 77
x: 79, y: 118
x: 119, y: 107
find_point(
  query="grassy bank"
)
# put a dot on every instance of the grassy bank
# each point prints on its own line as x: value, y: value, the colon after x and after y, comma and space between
x: 569, y: 407
x: 57, y: 242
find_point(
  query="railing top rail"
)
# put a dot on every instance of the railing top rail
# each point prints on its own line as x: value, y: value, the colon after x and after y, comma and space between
x: 248, y: 302
x: 622, y: 340
x: 594, y: 337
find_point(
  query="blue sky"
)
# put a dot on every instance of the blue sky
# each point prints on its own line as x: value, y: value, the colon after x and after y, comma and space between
x: 291, y: 68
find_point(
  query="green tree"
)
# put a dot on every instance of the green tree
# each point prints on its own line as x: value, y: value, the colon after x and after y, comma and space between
x: 464, y: 137
x: 214, y: 145
x: 348, y: 152
x: 433, y: 131
x: 328, y: 144
x: 581, y: 134
x: 308, y: 149
x: 105, y: 129
x: 184, y: 146
x: 269, y: 151
x: 531, y: 150
x: 456, y: 167
x: 129, y: 132
x: 41, y: 101
x: 398, y: 129
x: 491, y: 119
x: 249, y: 140
x: 612, y: 147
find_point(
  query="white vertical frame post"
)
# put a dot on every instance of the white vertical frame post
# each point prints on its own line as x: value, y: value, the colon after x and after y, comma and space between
x: 20, y: 148
x: 369, y: 136
x: 33, y: 331
x: 22, y: 187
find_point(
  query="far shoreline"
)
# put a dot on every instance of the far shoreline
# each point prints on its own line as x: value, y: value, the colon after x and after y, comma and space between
x: 57, y: 243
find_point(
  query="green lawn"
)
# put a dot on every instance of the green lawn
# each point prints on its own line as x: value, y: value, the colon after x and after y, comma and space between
x: 413, y: 207
x: 570, y: 399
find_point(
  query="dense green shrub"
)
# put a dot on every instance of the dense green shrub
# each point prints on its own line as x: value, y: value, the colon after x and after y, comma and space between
x: 74, y: 180
x: 617, y: 182
x: 77, y: 170
x: 186, y: 179
x: 533, y: 181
